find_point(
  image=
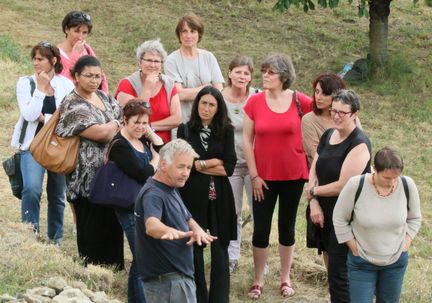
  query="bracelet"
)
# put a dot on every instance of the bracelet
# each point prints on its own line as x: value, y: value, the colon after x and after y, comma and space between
x: 118, y: 123
x: 253, y: 178
x: 149, y: 133
x: 202, y: 164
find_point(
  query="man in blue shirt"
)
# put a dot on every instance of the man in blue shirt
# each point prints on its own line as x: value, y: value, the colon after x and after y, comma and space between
x: 165, y: 230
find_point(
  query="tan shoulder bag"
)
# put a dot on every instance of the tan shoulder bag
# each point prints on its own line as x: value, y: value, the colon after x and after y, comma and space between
x: 54, y: 153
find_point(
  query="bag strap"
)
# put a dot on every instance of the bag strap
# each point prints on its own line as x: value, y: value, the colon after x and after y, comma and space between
x: 185, y: 131
x: 359, y: 189
x: 406, y: 190
x: 299, y: 109
x: 25, y: 123
x: 357, y: 195
x: 106, y: 158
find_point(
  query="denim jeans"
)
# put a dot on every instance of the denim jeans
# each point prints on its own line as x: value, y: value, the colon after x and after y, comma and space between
x: 367, y: 279
x: 239, y: 180
x: 33, y: 175
x: 180, y: 290
x: 135, y: 284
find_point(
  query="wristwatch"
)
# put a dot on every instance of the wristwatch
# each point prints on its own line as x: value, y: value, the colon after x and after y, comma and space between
x: 312, y: 192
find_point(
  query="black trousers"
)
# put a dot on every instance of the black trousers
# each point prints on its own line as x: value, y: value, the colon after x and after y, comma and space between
x: 289, y: 194
x: 219, y: 275
x: 337, y: 270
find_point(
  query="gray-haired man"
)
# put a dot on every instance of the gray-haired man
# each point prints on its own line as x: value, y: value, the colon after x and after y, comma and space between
x: 165, y: 229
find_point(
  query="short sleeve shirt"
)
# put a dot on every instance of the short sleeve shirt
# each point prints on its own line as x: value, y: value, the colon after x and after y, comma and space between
x: 193, y: 73
x: 278, y: 149
x: 157, y: 257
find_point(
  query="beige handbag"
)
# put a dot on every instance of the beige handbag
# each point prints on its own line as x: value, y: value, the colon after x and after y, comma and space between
x: 54, y: 153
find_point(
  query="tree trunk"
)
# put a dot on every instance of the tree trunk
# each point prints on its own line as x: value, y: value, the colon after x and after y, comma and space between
x: 379, y: 10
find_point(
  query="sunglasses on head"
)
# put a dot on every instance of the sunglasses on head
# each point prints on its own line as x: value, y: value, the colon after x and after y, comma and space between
x: 45, y: 44
x: 144, y: 104
x: 81, y: 16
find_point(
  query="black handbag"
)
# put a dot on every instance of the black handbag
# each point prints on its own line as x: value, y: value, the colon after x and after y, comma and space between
x: 312, y: 231
x: 12, y: 168
x: 12, y: 165
x: 112, y: 187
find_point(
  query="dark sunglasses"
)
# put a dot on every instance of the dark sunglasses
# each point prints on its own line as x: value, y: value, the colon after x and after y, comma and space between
x: 45, y: 44
x: 144, y: 104
x: 81, y: 16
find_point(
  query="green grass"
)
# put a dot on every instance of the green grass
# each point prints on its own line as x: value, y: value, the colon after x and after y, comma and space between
x: 397, y: 106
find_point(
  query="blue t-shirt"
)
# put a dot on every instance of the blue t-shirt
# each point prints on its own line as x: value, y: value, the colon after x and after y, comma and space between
x: 158, y: 257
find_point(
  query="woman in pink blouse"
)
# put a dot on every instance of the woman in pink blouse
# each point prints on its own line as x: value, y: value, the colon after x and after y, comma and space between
x: 77, y: 25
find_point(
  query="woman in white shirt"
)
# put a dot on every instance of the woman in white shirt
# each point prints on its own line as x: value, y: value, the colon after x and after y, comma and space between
x: 38, y: 97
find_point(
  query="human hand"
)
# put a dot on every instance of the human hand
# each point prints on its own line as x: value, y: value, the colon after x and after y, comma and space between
x: 174, y: 234
x: 257, y: 186
x: 316, y: 213
x: 200, y: 237
x: 41, y: 119
x: 79, y: 46
x: 151, y: 80
x: 408, y: 241
x: 43, y: 80
x: 352, y: 245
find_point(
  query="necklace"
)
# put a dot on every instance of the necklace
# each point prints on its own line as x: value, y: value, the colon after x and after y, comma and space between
x: 377, y: 190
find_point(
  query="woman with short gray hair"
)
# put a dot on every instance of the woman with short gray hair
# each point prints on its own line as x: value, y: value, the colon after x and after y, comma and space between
x: 277, y: 165
x: 150, y: 85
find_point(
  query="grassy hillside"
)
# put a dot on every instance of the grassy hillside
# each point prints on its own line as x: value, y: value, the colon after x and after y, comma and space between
x: 397, y: 105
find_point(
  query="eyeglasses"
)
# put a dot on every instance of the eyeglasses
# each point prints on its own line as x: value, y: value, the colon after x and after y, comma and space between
x: 268, y: 71
x: 90, y: 77
x: 45, y: 44
x: 81, y: 15
x: 340, y: 113
x: 150, y: 61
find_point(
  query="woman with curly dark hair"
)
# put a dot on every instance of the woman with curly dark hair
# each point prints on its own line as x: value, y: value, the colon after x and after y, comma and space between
x: 207, y: 193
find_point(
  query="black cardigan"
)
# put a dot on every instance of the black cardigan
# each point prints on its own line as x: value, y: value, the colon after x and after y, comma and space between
x: 196, y: 190
x: 123, y: 155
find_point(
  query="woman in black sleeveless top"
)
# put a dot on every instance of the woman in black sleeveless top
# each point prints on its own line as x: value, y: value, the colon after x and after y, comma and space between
x: 343, y: 151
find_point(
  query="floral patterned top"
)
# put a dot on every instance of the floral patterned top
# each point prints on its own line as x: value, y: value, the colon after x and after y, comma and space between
x: 76, y: 115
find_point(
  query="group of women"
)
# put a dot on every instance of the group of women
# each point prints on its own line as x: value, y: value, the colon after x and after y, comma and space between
x: 267, y: 144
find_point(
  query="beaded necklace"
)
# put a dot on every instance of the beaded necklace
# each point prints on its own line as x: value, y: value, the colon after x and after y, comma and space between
x: 377, y: 190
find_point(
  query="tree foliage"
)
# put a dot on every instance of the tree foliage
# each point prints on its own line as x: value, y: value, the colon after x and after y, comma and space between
x: 284, y: 5
x: 376, y: 10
